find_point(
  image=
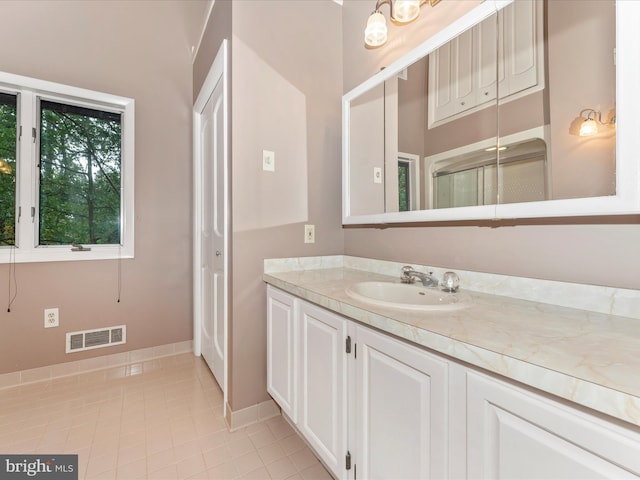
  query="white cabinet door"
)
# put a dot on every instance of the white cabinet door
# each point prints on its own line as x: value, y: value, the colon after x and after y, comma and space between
x: 486, y: 40
x: 451, y: 78
x: 323, y: 394
x: 441, y: 98
x: 516, y: 434
x: 401, y: 410
x: 463, y: 74
x: 282, y: 343
x: 522, y: 46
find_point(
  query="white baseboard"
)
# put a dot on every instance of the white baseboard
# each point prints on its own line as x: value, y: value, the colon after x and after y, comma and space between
x: 102, y: 362
x: 253, y: 414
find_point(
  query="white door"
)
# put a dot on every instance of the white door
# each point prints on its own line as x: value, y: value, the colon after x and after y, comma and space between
x: 213, y: 325
x: 211, y: 219
x: 401, y: 410
x: 322, y: 410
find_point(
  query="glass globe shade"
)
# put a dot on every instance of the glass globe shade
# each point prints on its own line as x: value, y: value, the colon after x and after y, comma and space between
x: 376, y: 32
x: 588, y: 127
x: 405, y: 11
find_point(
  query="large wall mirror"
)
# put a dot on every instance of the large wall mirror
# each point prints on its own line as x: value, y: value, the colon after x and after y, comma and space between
x: 519, y: 109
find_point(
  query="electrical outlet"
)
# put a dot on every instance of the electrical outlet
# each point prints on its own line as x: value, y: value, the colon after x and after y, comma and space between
x: 309, y: 234
x: 51, y: 317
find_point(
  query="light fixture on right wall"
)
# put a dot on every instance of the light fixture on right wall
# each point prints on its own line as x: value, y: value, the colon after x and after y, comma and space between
x: 590, y: 124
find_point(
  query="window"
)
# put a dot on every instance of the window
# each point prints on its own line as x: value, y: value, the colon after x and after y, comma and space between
x: 66, y: 172
x: 404, y: 186
x: 408, y: 182
x: 80, y: 158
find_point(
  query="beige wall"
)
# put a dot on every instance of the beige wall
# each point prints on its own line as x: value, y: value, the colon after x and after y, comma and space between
x: 217, y: 29
x: 134, y: 49
x: 602, y: 252
x: 286, y: 89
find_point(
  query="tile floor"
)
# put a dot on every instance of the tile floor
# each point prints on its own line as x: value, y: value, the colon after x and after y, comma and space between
x: 161, y: 419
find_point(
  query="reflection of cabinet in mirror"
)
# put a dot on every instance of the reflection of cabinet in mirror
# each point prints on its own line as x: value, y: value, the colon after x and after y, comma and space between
x: 509, y: 54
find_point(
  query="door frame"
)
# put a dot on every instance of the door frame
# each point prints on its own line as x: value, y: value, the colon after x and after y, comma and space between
x: 217, y: 73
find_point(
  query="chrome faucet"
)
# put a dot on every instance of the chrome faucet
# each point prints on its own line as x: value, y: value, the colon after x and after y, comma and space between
x: 409, y: 275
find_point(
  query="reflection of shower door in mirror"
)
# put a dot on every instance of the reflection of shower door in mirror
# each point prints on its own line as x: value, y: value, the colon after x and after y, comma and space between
x: 470, y: 178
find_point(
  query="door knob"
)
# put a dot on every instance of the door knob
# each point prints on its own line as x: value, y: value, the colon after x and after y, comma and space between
x: 218, y: 253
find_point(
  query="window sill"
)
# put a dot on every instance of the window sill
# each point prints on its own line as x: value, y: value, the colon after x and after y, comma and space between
x: 63, y: 253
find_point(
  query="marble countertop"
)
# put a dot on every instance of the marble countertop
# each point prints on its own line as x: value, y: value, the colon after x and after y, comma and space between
x: 590, y: 358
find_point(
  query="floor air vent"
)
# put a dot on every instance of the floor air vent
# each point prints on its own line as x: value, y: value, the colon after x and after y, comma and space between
x: 98, y: 338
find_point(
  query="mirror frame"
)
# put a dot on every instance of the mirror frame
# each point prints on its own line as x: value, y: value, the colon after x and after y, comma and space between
x: 627, y: 198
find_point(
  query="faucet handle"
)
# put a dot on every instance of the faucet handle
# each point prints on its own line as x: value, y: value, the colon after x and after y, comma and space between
x: 406, y: 278
x: 450, y: 282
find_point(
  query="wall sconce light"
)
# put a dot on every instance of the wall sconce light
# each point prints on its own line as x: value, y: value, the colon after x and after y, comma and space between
x: 590, y: 124
x: 401, y: 12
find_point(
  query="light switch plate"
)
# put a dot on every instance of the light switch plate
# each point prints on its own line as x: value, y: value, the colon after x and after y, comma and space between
x: 309, y: 234
x: 268, y: 161
x: 377, y: 175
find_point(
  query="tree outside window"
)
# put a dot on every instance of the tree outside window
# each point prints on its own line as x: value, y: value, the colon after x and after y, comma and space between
x: 80, y: 160
x: 8, y: 143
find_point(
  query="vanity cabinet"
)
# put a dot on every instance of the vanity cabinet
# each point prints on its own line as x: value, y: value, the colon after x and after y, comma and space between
x: 388, y: 421
x: 376, y: 407
x: 515, y: 433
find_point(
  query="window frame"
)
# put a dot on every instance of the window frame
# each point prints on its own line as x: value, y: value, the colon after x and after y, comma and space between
x: 413, y: 178
x: 29, y: 91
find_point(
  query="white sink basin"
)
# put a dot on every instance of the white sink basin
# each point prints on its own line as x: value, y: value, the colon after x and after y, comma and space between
x: 408, y: 297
